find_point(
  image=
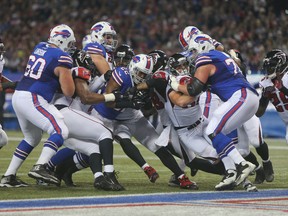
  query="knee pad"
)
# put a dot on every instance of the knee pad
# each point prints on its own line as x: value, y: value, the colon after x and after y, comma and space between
x: 3, y: 138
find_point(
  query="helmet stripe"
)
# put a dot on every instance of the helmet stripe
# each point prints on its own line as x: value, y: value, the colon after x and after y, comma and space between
x: 182, y: 40
x: 148, y: 64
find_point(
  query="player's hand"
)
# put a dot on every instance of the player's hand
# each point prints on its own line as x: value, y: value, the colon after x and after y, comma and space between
x: 82, y: 73
x: 172, y: 81
x: 131, y: 92
x: 268, y: 91
x: 119, y: 96
x: 137, y: 104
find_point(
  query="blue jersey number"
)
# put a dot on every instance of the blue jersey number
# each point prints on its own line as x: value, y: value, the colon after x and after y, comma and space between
x: 35, y: 67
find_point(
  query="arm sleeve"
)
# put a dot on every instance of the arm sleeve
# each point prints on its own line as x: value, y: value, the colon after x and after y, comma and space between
x: 196, y: 87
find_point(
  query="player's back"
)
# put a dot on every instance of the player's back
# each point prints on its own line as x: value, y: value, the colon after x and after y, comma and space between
x: 228, y: 77
x: 39, y: 77
x: 122, y: 77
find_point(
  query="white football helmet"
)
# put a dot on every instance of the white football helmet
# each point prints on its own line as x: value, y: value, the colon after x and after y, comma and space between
x: 186, y: 35
x: 104, y: 33
x: 63, y: 37
x: 140, y: 66
x: 200, y: 43
x: 86, y: 40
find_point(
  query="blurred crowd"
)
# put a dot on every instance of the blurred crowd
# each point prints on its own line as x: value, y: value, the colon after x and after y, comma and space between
x: 251, y: 26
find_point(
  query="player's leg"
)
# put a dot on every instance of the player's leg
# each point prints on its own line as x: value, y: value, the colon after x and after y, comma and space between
x: 123, y: 136
x: 227, y: 118
x: 52, y: 121
x: 147, y: 136
x: 94, y: 162
x: 253, y: 129
x: 32, y: 137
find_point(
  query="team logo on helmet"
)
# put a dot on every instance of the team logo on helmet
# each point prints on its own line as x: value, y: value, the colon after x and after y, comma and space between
x: 97, y: 28
x: 201, y: 39
x: 136, y: 59
x: 64, y: 33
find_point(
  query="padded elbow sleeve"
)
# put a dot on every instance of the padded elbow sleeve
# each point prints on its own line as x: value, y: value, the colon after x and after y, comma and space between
x: 196, y: 87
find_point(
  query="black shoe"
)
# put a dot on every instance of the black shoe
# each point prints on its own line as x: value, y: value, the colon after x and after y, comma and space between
x: 67, y: 178
x: 174, y: 182
x: 42, y: 172
x: 65, y: 170
x: 268, y: 170
x: 110, y: 177
x: 249, y: 187
x: 12, y: 181
x: 260, y: 176
x: 102, y: 184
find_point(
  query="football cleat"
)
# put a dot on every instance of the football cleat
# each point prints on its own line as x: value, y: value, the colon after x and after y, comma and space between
x: 12, y: 181
x: 249, y: 187
x: 174, y: 182
x: 243, y: 171
x: 42, y: 172
x: 151, y: 173
x: 185, y: 183
x: 111, y: 177
x: 101, y: 183
x: 260, y: 176
x: 268, y: 170
x: 228, y: 181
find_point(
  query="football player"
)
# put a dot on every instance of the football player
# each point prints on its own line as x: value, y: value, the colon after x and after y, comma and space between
x: 48, y: 70
x: 238, y: 96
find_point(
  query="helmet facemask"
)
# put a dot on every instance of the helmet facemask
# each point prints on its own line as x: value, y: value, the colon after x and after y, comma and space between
x: 140, y: 68
x: 178, y: 65
x: 123, y: 55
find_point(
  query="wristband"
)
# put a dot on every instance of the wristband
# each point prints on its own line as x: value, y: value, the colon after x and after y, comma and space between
x: 109, y: 97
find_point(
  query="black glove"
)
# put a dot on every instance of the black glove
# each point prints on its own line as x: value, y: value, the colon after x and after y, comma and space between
x: 131, y: 92
x: 119, y: 96
x: 129, y: 104
x: 268, y: 91
x: 142, y: 95
x: 107, y: 75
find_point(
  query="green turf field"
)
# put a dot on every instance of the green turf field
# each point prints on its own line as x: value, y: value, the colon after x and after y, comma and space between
x: 130, y: 175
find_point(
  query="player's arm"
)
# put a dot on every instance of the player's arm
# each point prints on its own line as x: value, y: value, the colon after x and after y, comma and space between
x: 198, y: 83
x: 66, y: 80
x: 100, y: 62
x: 88, y: 97
x: 180, y: 99
x: 264, y: 100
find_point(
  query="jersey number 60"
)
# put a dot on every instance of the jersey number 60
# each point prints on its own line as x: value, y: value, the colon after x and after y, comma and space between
x: 35, y: 67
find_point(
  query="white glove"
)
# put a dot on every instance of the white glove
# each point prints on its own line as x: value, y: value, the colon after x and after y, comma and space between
x: 173, y: 83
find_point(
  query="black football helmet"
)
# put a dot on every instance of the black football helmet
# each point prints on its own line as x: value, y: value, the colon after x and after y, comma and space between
x: 83, y: 59
x: 159, y: 58
x: 275, y: 63
x: 123, y: 55
x: 178, y: 65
